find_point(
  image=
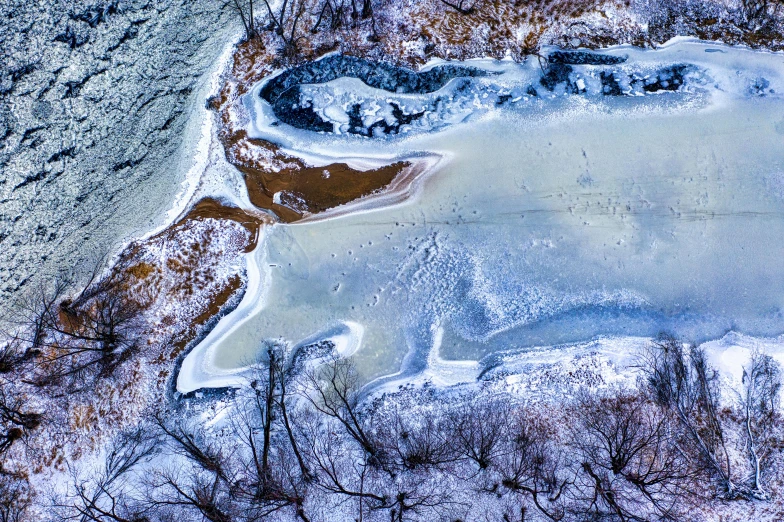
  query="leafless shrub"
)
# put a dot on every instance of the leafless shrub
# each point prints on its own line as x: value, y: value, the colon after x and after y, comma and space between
x: 761, y: 415
x: 16, y: 498
x: 17, y: 418
x: 531, y: 466
x: 13, y: 355
x: 333, y: 389
x: 686, y: 386
x: 415, y: 444
x: 479, y: 429
x: 630, y: 457
x: 107, y: 496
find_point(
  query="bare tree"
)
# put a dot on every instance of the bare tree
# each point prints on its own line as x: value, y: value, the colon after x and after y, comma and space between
x: 338, y: 463
x: 531, y: 467
x: 759, y: 14
x: 284, y: 375
x: 633, y: 467
x: 335, y: 12
x: 459, y: 6
x: 90, y: 335
x: 106, y: 497
x: 199, y: 481
x: 15, y: 498
x: 274, y: 475
x: 244, y: 9
x: 479, y: 428
x: 687, y: 387
x: 761, y: 413
x: 29, y: 324
x: 285, y: 24
x: 334, y: 390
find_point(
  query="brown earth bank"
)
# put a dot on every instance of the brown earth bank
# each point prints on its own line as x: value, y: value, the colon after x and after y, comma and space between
x: 209, y: 208
x: 305, y: 190
x: 184, y: 268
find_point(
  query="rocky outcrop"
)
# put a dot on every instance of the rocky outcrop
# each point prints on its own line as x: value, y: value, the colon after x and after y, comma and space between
x: 584, y: 58
x: 565, y: 73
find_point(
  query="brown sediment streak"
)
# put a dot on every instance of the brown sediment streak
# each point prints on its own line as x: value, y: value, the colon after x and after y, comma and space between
x: 211, y: 208
x: 214, y: 305
x: 304, y: 189
x: 400, y: 189
x: 312, y: 190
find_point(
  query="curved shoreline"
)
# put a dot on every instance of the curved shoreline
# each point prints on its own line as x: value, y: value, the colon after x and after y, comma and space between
x: 196, y: 369
x: 399, y: 192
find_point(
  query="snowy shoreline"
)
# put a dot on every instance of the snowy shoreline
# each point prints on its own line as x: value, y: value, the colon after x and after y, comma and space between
x: 725, y: 86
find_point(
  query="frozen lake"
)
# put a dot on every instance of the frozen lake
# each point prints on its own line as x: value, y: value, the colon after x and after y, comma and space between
x: 555, y: 220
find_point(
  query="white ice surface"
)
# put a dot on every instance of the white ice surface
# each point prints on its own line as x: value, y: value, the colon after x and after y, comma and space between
x: 553, y: 223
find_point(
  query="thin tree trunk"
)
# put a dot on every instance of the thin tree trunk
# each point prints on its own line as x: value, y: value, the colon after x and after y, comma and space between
x: 292, y: 440
x: 242, y: 17
x: 268, y: 418
x: 252, y: 21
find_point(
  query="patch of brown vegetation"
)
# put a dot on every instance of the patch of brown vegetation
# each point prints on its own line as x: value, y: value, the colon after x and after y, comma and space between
x: 315, y: 189
x: 213, y: 305
x: 141, y: 270
x: 209, y: 208
x: 305, y: 189
x: 497, y: 27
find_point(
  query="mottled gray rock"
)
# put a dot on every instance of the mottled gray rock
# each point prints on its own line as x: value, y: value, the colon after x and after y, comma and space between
x: 584, y: 58
x: 93, y: 98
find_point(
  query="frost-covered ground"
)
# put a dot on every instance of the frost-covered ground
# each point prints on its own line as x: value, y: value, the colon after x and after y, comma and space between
x: 563, y: 215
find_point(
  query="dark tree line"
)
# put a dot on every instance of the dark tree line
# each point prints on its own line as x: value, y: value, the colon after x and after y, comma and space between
x: 56, y: 346
x: 301, y: 444
x: 292, y: 20
x: 301, y: 441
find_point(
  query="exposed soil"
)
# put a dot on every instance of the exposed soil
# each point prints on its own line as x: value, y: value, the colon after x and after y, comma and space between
x: 304, y: 189
x: 209, y: 208
x: 314, y: 189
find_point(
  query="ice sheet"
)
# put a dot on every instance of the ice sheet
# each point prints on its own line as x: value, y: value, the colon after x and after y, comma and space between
x: 557, y: 221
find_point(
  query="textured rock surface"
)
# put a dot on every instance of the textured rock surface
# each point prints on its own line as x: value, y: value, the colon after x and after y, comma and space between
x: 284, y: 94
x: 584, y: 58
x: 93, y: 107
